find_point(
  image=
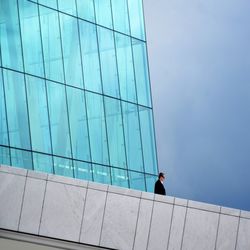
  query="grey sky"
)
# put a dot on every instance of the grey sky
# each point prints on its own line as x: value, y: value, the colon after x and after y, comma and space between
x: 199, y: 58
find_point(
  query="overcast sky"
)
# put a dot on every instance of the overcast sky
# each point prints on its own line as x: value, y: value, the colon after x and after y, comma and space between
x: 199, y: 59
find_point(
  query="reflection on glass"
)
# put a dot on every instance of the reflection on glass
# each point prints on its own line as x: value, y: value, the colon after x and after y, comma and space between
x: 132, y: 136
x: 21, y: 158
x: 78, y: 124
x: 108, y: 62
x: 43, y: 163
x: 3, y: 119
x: 97, y: 128
x: 71, y: 51
x: 10, y: 38
x: 150, y: 182
x: 58, y: 119
x: 103, y: 13
x: 119, y: 177
x: 115, y: 132
x: 51, y: 44
x: 4, y: 155
x: 90, y: 57
x: 38, y: 114
x: 17, y: 110
x: 86, y: 10
x: 83, y: 170
x: 141, y: 72
x: 137, y: 181
x: 63, y: 166
x: 125, y: 67
x: 148, y: 140
x: 101, y: 174
x: 32, y: 49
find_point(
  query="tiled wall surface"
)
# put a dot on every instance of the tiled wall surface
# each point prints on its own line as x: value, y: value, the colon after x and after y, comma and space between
x: 116, y: 218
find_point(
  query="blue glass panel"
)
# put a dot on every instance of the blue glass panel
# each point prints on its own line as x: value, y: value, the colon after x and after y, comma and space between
x: 141, y: 72
x: 83, y: 170
x: 103, y: 13
x: 78, y: 124
x: 3, y: 119
x: 16, y: 109
x: 115, y: 132
x: 148, y: 140
x: 125, y: 67
x: 85, y: 10
x: 51, y: 44
x: 10, y: 35
x: 119, y: 177
x: 90, y: 56
x: 97, y: 128
x: 71, y: 50
x: 137, y: 181
x: 108, y: 62
x: 58, y: 119
x: 4, y: 155
x: 63, y: 166
x: 49, y: 3
x: 21, y: 158
x: 43, y: 163
x: 132, y: 136
x: 68, y: 6
x: 150, y: 182
x: 32, y: 49
x: 120, y: 16
x: 38, y: 114
x: 136, y: 19
x: 101, y: 174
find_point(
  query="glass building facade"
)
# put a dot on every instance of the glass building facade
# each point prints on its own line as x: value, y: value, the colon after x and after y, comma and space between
x: 75, y: 91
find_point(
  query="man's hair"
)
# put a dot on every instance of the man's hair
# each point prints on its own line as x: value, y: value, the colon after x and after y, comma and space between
x: 161, y: 175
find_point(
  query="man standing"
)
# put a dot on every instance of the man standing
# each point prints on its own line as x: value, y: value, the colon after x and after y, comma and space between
x: 159, y: 187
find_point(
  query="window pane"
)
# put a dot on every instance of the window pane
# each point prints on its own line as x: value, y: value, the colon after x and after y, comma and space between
x: 32, y: 49
x: 115, y: 132
x: 101, y: 174
x: 120, y: 16
x: 103, y: 13
x: 68, y: 6
x: 10, y: 35
x: 97, y: 128
x: 51, y: 44
x: 58, y: 119
x: 71, y: 51
x: 148, y: 140
x: 38, y: 114
x: 150, y: 182
x: 108, y: 62
x: 137, y: 180
x: 119, y: 177
x: 132, y: 136
x: 141, y: 73
x: 86, y: 10
x: 78, y: 124
x: 90, y: 56
x: 125, y: 67
x: 3, y: 122
x: 136, y: 19
x: 21, y: 158
x: 17, y: 109
x: 49, y: 3
x: 63, y: 167
x: 4, y: 155
x: 83, y: 170
x: 43, y: 163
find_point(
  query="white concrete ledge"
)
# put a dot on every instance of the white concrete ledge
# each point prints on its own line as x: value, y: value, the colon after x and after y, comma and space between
x: 115, y: 218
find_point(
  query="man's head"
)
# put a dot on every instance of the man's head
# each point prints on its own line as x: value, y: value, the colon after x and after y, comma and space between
x: 161, y: 176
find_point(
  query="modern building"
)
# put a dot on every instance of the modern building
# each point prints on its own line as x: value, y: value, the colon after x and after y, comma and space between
x: 75, y: 90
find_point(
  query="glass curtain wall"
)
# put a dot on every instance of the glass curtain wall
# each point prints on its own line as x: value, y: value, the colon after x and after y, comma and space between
x: 75, y: 91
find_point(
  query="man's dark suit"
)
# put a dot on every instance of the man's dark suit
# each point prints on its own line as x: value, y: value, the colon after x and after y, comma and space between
x: 159, y: 188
